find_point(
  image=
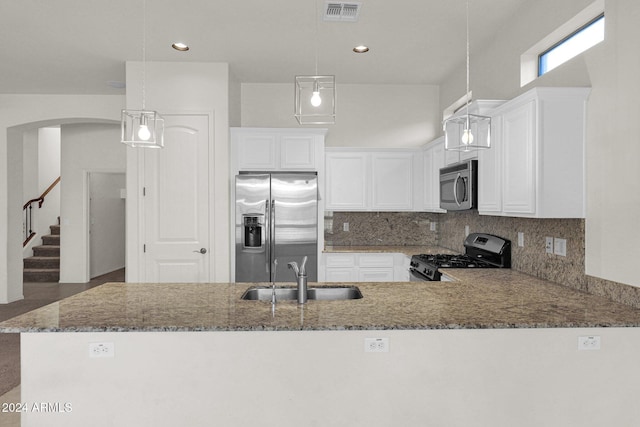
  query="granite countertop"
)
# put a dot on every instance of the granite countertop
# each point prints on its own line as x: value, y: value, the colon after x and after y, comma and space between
x: 488, y: 298
x: 407, y: 250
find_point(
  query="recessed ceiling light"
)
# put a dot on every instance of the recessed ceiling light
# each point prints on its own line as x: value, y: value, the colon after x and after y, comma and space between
x: 180, y: 46
x: 361, y: 49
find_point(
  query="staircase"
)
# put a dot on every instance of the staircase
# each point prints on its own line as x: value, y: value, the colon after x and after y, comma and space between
x: 44, y: 265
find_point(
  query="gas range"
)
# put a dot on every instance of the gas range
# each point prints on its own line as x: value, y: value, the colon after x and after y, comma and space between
x: 481, y: 251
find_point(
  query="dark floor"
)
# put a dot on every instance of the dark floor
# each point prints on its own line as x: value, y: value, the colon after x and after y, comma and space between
x: 36, y: 295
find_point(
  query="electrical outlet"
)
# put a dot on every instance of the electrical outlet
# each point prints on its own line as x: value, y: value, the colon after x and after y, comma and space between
x: 432, y: 226
x: 589, y: 342
x: 520, y: 239
x: 560, y: 246
x: 466, y: 230
x: 376, y: 345
x: 345, y: 226
x: 101, y: 349
x: 548, y: 245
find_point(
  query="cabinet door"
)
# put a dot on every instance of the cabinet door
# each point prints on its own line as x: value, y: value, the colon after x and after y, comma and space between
x: 392, y: 181
x: 371, y: 274
x: 297, y: 152
x: 519, y: 150
x: 451, y: 157
x: 434, y: 159
x: 341, y: 274
x: 346, y: 181
x: 257, y: 152
x: 490, y: 171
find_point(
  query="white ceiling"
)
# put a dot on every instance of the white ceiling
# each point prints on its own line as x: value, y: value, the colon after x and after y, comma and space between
x: 78, y: 46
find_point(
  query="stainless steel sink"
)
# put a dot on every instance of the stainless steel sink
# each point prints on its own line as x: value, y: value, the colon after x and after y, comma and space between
x: 285, y: 294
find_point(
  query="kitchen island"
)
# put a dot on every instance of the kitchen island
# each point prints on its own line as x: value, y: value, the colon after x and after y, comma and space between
x: 496, y: 348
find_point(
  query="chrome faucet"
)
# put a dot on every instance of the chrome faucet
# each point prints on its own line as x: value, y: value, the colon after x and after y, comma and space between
x: 301, y: 279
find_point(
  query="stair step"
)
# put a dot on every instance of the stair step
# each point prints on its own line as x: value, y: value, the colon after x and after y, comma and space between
x: 41, y: 275
x: 42, y: 262
x: 55, y: 229
x: 46, y: 250
x: 51, y: 240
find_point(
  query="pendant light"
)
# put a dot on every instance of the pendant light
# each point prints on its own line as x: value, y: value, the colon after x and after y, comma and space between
x: 142, y: 128
x: 315, y: 96
x: 467, y: 131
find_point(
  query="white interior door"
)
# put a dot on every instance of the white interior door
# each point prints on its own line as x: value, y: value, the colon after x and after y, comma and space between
x: 176, y: 203
x: 107, y: 237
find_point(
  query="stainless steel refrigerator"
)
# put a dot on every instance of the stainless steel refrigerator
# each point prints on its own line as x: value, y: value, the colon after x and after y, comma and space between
x: 276, y: 218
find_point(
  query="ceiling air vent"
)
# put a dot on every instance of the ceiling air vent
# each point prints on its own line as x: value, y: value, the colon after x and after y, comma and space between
x: 342, y: 11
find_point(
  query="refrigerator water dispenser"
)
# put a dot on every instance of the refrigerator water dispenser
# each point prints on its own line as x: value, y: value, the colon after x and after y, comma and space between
x: 253, y: 231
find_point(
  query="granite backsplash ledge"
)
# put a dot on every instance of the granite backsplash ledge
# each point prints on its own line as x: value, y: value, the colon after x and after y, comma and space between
x: 379, y: 229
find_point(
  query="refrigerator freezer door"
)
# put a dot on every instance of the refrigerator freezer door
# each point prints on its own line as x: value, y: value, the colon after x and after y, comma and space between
x: 295, y: 223
x: 252, y: 224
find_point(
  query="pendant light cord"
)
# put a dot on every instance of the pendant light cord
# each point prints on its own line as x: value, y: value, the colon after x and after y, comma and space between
x: 468, y: 67
x: 144, y: 50
x: 315, y: 14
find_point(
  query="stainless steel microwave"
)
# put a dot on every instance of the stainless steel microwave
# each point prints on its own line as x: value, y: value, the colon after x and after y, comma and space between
x: 458, y: 186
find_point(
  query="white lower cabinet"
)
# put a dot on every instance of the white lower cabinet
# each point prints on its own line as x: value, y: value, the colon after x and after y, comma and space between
x: 340, y: 275
x: 375, y: 275
x: 365, y: 267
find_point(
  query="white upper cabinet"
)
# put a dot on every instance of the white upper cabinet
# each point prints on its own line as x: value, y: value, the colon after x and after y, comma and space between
x: 535, y: 167
x: 266, y: 149
x: 346, y: 181
x: 433, y: 159
x: 369, y: 180
x: 392, y: 181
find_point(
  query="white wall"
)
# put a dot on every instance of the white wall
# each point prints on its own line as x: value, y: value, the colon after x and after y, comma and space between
x: 19, y: 113
x: 495, y: 68
x: 49, y: 149
x: 30, y: 185
x: 613, y: 148
x: 453, y: 378
x: 41, y: 167
x: 366, y: 115
x: 183, y: 88
x: 85, y: 148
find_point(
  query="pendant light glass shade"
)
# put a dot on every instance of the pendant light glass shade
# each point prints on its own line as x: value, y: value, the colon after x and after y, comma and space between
x: 315, y: 100
x: 140, y: 128
x: 467, y: 131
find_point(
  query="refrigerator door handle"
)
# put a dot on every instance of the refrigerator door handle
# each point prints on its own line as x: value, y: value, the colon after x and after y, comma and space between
x: 272, y: 235
x: 267, y: 214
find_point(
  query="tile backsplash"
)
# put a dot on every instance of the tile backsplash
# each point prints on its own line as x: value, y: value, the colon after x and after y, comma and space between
x: 414, y: 228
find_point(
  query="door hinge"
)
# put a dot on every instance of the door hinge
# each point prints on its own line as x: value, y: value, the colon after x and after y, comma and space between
x: 144, y: 191
x: 144, y: 248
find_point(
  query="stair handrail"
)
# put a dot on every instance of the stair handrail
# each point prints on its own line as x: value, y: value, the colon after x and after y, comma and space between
x: 28, y: 220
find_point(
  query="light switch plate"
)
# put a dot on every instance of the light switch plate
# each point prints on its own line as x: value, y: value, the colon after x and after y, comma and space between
x: 520, y: 239
x: 560, y: 247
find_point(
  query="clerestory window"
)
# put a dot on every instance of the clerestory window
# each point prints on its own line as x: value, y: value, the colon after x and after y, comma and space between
x: 571, y: 46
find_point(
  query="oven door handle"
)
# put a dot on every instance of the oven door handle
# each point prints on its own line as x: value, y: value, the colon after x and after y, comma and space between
x: 414, y: 276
